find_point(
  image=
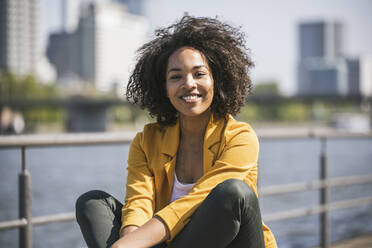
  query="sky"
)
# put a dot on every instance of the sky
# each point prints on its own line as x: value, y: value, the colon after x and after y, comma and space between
x: 270, y: 27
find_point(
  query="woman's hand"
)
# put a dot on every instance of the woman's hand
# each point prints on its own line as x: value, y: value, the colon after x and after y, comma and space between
x: 125, y: 231
x: 151, y: 233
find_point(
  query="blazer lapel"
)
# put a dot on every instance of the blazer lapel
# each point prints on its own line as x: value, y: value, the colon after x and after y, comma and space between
x: 169, y: 149
x: 212, y: 138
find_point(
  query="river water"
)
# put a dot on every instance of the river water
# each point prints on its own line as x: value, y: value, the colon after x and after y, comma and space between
x: 61, y: 174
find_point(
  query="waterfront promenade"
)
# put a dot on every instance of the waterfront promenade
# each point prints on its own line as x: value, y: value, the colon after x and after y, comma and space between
x: 57, y: 155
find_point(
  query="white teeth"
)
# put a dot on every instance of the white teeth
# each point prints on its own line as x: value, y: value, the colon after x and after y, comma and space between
x: 192, y: 97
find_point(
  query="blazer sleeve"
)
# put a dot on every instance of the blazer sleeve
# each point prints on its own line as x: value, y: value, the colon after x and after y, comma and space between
x: 238, y: 159
x: 140, y: 190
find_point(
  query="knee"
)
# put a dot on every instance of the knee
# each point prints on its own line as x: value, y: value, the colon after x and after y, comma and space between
x: 235, y: 190
x: 89, y: 202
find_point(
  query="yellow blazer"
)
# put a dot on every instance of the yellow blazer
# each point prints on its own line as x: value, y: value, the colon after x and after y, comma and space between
x: 230, y: 150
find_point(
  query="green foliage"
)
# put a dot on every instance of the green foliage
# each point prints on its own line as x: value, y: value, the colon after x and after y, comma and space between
x: 266, y: 89
x: 121, y: 114
x: 280, y: 112
x: 249, y: 112
x: 294, y: 112
x: 255, y: 112
x: 321, y: 111
x: 14, y: 87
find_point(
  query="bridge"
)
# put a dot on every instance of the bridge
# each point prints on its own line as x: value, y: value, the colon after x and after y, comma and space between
x: 90, y: 114
x: 94, y: 102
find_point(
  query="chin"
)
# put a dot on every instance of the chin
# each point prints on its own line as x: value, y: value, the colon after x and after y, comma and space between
x: 195, y: 113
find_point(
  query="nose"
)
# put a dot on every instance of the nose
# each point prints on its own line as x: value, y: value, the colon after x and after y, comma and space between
x: 190, y: 82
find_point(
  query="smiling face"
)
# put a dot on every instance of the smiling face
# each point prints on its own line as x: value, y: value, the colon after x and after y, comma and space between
x: 189, y: 82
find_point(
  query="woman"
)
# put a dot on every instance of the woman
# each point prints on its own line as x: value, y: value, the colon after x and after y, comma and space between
x: 192, y: 174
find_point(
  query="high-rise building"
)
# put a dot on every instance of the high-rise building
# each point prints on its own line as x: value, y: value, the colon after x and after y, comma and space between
x: 327, y: 76
x: 324, y: 68
x: 359, y: 76
x: 19, y: 36
x: 20, y: 40
x: 353, y: 76
x: 3, y: 32
x: 321, y: 39
x: 101, y: 50
x: 63, y: 51
x: 321, y: 67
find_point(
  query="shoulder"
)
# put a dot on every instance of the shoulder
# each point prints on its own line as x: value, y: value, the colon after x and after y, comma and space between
x: 150, y: 131
x: 239, y: 131
x: 151, y: 138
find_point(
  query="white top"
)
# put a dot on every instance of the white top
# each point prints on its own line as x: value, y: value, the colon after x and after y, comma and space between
x: 179, y: 189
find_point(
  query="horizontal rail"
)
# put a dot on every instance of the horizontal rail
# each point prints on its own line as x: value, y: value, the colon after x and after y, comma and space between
x: 301, y: 133
x: 10, y: 224
x: 267, y: 191
x: 40, y: 140
x: 70, y: 139
x: 53, y: 218
x: 287, y: 133
x: 315, y: 185
x: 283, y: 215
x: 302, y: 212
x: 41, y: 220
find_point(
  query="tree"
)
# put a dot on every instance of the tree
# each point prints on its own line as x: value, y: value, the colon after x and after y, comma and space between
x: 24, y: 87
x: 18, y: 88
x: 266, y: 89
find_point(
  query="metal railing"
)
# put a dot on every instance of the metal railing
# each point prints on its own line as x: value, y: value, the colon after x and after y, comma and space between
x: 26, y: 221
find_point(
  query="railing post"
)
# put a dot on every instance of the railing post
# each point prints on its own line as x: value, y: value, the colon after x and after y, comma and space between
x: 25, y: 233
x: 324, y: 224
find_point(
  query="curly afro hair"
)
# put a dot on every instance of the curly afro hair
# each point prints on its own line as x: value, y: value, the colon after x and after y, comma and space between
x: 222, y: 45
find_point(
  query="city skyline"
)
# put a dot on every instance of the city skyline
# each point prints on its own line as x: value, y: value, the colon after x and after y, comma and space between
x: 271, y: 28
x: 99, y: 49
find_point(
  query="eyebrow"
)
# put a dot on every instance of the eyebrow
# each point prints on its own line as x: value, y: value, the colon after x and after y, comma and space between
x: 179, y: 69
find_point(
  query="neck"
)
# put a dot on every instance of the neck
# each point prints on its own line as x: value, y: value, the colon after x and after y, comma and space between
x: 193, y: 128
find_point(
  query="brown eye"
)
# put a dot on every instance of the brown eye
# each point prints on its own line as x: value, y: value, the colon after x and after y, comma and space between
x: 175, y: 77
x: 200, y: 74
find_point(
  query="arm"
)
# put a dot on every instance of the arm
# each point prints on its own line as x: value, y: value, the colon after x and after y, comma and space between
x: 137, y: 212
x: 237, y: 159
x: 127, y: 230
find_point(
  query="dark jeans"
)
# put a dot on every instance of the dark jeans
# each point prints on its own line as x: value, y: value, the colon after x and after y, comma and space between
x: 228, y: 217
